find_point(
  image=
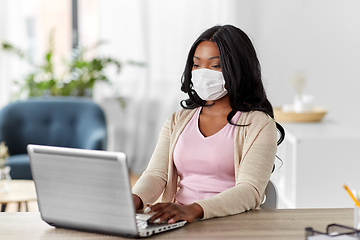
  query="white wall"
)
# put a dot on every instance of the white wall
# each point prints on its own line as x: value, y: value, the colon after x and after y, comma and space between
x: 320, y: 37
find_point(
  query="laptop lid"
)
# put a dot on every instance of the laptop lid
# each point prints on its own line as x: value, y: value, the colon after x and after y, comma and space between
x: 83, y: 189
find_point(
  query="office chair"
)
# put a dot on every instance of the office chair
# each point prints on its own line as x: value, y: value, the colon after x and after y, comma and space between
x: 58, y: 121
x: 270, y: 201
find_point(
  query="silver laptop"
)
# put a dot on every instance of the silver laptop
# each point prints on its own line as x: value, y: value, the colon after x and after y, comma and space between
x: 88, y: 190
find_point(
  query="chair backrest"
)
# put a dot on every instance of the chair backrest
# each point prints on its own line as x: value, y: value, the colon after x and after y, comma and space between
x: 270, y: 200
x: 59, y: 121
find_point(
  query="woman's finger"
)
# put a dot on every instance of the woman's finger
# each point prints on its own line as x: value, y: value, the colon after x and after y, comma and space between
x: 174, y: 219
x: 158, y: 206
x: 163, y: 213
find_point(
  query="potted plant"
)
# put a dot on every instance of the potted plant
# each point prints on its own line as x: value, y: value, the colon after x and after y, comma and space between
x: 77, y: 80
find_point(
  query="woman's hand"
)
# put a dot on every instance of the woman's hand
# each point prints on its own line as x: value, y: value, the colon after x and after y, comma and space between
x: 172, y: 212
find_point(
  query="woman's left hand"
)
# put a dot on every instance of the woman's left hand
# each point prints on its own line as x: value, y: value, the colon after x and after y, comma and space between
x: 172, y: 212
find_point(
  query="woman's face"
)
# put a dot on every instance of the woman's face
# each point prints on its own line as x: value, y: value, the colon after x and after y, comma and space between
x: 207, y: 56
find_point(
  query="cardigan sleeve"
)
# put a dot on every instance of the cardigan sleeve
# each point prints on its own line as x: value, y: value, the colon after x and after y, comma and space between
x: 256, y: 146
x: 152, y: 182
x: 160, y: 177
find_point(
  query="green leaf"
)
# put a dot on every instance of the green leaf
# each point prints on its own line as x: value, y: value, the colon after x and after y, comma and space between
x: 84, y: 71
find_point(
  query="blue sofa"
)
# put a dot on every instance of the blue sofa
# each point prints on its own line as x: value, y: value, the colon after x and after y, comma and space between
x: 59, y: 121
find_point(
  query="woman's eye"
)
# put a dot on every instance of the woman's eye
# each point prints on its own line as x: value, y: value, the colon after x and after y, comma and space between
x: 215, y: 66
x: 195, y: 66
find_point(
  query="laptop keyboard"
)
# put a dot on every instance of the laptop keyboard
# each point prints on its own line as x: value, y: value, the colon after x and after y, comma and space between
x: 141, y: 220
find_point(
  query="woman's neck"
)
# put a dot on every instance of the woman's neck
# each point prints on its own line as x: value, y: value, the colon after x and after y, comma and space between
x: 218, y: 107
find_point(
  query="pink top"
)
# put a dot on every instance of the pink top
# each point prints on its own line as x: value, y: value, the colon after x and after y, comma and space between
x: 205, y: 164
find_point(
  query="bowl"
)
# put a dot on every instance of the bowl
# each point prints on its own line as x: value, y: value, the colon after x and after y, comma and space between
x: 316, y: 115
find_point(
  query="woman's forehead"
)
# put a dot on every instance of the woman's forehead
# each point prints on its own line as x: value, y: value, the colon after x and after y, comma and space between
x: 206, y: 49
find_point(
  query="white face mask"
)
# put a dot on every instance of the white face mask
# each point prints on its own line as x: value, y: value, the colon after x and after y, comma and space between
x: 208, y: 84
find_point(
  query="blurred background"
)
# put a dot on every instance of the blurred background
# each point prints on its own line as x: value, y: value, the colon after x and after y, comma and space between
x: 316, y: 38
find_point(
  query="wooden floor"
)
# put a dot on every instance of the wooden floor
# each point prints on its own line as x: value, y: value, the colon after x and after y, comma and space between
x: 33, y: 207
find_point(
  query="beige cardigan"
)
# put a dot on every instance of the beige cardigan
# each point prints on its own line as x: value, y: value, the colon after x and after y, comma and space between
x: 254, y: 156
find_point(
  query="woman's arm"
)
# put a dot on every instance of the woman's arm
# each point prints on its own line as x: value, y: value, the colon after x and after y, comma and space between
x: 152, y: 182
x: 138, y: 204
x: 160, y: 176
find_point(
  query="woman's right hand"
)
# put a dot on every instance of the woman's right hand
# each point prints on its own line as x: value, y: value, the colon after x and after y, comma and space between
x: 137, y: 202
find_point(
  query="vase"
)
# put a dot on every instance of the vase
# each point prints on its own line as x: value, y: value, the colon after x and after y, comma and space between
x: 5, y: 179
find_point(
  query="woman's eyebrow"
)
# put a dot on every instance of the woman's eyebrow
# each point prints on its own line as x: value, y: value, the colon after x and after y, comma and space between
x: 210, y: 58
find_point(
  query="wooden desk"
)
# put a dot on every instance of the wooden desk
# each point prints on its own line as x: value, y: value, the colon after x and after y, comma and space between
x: 20, y: 191
x: 280, y: 224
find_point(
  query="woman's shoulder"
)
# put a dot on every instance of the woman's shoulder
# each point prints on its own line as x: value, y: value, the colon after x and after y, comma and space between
x: 256, y: 122
x: 182, y: 114
x: 179, y: 119
x: 255, y: 117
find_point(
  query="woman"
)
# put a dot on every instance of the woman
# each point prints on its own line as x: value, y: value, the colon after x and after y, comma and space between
x: 215, y: 156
